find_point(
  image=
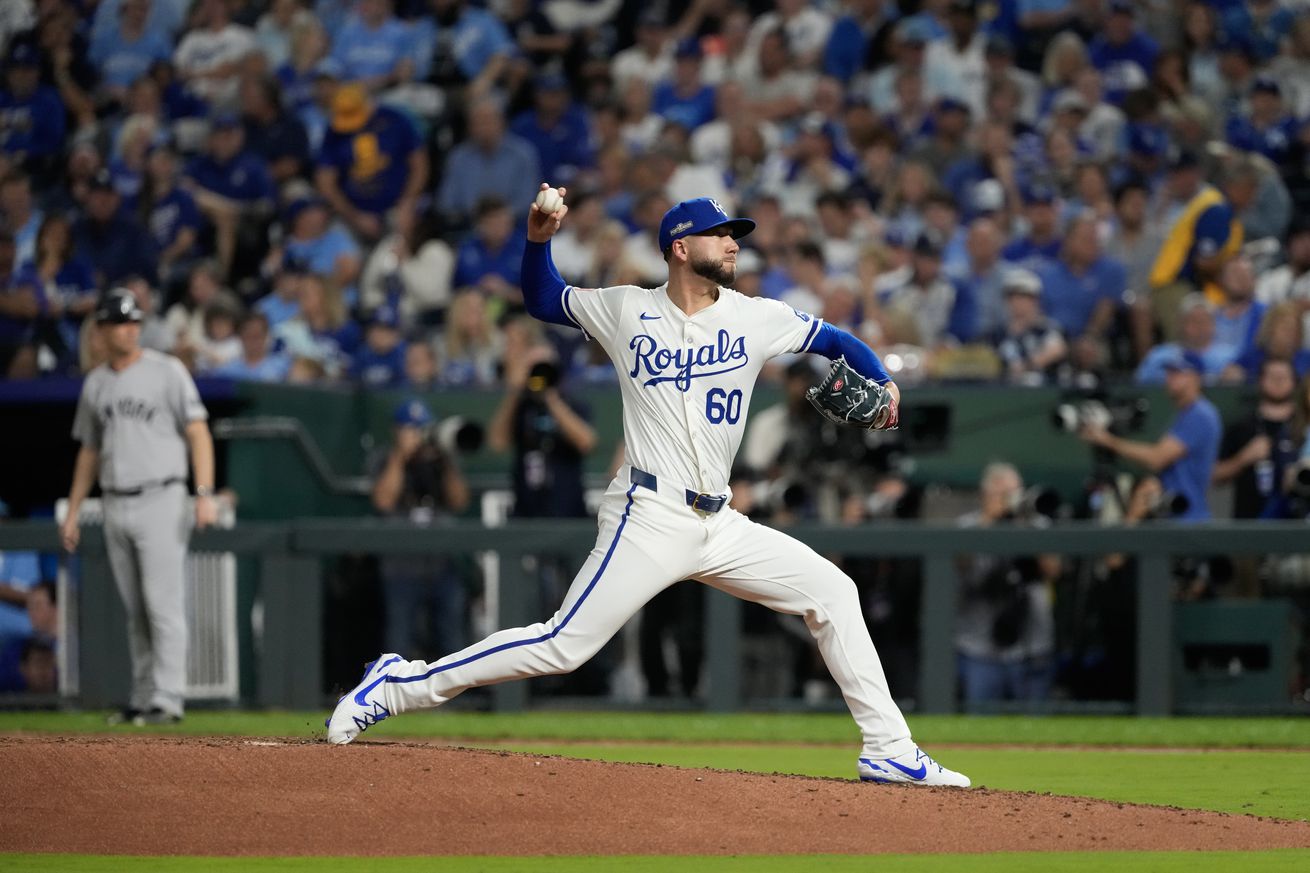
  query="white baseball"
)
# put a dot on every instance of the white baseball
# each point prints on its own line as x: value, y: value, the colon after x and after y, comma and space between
x: 549, y: 201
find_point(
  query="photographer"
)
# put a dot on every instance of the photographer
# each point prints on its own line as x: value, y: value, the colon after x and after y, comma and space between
x: 1184, y: 457
x: 426, y: 595
x: 1005, y: 632
x: 549, y: 434
x: 1258, y: 450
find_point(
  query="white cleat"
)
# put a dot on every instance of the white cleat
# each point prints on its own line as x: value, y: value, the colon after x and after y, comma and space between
x: 912, y: 768
x: 362, y: 707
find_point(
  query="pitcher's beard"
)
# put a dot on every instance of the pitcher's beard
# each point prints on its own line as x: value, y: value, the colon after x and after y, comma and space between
x: 717, y: 272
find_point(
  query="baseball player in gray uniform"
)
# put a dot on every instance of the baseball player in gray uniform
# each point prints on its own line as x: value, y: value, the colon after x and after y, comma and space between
x: 138, y: 414
x: 687, y: 355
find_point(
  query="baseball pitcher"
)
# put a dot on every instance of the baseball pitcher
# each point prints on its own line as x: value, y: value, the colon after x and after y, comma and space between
x: 687, y: 355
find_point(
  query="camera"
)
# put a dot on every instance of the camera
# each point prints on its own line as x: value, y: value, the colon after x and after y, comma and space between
x: 455, y: 435
x: 1168, y: 504
x: 542, y: 376
x: 1298, y: 490
x: 1037, y: 501
x: 1117, y: 415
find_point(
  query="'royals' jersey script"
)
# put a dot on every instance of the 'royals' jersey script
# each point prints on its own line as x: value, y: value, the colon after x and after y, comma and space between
x: 136, y: 418
x: 687, y: 381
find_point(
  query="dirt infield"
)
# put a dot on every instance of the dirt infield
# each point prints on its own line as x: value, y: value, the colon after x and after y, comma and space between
x: 224, y: 796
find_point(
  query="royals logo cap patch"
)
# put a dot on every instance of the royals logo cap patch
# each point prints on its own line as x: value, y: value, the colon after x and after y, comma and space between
x: 697, y: 216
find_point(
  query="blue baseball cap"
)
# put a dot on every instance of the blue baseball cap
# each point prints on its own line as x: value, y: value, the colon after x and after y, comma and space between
x: 385, y: 315
x: 697, y: 216
x: 1039, y: 193
x: 1185, y: 359
x: 1147, y: 140
x: 413, y: 413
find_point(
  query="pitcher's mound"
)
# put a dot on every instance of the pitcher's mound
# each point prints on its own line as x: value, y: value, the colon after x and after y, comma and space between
x: 194, y: 796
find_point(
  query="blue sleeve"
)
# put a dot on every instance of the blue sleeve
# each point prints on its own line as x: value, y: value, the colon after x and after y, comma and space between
x: 833, y: 343
x: 844, y: 52
x: 543, y: 287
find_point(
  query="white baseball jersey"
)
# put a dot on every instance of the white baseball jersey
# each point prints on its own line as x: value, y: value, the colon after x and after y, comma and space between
x: 687, y: 380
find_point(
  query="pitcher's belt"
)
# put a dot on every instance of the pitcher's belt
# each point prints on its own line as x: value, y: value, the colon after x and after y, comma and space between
x: 697, y: 500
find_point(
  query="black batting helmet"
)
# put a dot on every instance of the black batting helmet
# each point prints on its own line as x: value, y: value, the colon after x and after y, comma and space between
x: 118, y: 306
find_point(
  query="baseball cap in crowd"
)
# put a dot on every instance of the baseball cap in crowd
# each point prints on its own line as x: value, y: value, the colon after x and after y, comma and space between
x: 964, y: 7
x: 118, y: 306
x: 688, y: 48
x: 294, y: 265
x: 23, y: 54
x: 1070, y: 100
x: 1184, y: 359
x: 953, y: 104
x: 999, y: 44
x: 1147, y: 140
x: 749, y: 263
x: 1021, y: 281
x: 988, y: 195
x: 929, y: 243
x: 350, y: 108
x: 1122, y: 7
x: 914, y: 31
x: 413, y: 413
x: 386, y: 316
x: 1236, y: 43
x: 1184, y: 159
x: 1038, y: 194
x: 551, y: 80
x: 1194, y: 300
x: 299, y: 205
x: 1266, y: 85
x: 697, y: 216
x: 895, y: 237
x: 328, y: 68
x: 102, y: 181
x: 224, y: 121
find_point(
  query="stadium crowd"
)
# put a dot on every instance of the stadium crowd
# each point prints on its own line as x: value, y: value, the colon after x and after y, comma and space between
x: 1035, y: 191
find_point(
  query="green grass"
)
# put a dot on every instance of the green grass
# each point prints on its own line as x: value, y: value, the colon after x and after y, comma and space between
x: 1251, y: 782
x: 1282, y: 861
x: 832, y: 729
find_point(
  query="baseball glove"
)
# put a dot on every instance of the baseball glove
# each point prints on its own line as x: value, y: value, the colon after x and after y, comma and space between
x: 846, y: 397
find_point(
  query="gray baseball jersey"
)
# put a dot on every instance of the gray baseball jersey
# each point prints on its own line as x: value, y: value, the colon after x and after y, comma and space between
x: 136, y: 418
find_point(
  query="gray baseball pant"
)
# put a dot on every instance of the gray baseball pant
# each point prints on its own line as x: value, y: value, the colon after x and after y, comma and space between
x: 147, y: 535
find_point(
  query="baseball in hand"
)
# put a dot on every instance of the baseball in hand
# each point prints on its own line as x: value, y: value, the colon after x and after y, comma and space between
x: 549, y: 201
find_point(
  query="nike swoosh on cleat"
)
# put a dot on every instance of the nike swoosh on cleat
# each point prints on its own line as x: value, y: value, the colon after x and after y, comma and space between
x: 913, y: 774
x: 645, y: 317
x: 360, y: 695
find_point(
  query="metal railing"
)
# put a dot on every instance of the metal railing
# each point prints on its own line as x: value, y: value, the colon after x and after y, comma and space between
x: 289, y: 670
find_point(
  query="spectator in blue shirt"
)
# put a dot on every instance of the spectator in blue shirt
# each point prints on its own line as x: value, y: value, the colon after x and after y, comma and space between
x: 1268, y: 129
x: 1262, y: 24
x: 111, y: 241
x: 1124, y: 55
x: 256, y: 362
x: 1184, y: 458
x: 61, y: 280
x: 1041, y: 244
x: 232, y: 187
x: 1082, y: 290
x: 19, y: 215
x: 374, y: 48
x: 491, y: 260
x: 128, y: 48
x: 283, y: 304
x: 164, y: 20
x: 686, y: 100
x: 32, y: 117
x: 489, y: 163
x: 1196, y: 334
x: 1237, y: 320
x: 323, y: 246
x: 558, y: 129
x: 462, y: 45
x: 372, y: 167
x: 380, y: 361
x: 980, y: 309
x: 858, y: 40
x: 169, y: 214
